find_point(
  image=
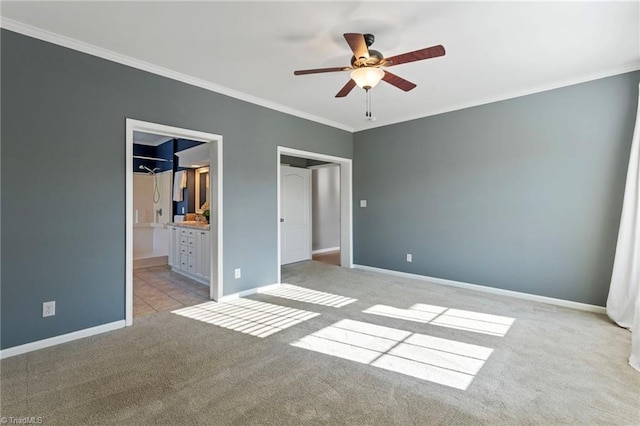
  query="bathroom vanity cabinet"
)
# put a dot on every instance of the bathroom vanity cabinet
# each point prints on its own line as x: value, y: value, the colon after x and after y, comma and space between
x: 190, y: 251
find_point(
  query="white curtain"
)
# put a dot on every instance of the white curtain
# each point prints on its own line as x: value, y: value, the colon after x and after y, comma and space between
x: 623, y: 303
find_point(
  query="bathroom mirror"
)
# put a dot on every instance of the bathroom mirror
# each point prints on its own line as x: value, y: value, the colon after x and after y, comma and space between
x: 202, y: 188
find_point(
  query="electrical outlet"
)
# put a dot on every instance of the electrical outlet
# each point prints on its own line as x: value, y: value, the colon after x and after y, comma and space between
x: 48, y: 309
x: 363, y: 203
x: 238, y: 273
x: 409, y: 257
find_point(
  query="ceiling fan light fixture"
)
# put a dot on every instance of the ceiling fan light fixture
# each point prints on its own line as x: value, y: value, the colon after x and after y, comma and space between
x: 367, y: 77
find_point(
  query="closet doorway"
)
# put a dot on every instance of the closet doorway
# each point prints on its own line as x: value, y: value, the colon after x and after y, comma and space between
x: 342, y: 237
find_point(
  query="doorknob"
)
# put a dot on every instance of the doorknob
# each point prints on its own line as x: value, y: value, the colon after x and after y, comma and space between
x: 281, y: 220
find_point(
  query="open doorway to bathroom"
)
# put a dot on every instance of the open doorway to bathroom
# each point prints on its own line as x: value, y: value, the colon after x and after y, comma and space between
x: 173, y: 218
x: 158, y: 284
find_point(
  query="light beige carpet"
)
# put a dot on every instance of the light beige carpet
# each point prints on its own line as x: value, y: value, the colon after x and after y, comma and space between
x: 552, y: 365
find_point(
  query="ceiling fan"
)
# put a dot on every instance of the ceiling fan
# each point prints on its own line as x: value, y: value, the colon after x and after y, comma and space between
x: 366, y: 64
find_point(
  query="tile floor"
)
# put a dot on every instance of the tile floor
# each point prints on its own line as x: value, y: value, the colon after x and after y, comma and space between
x: 157, y: 289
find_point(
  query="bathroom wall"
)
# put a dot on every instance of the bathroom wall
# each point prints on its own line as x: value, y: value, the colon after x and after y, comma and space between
x: 167, y: 160
x: 165, y: 185
x: 145, y: 208
x: 143, y: 205
x: 140, y: 150
x: 187, y: 205
x: 150, y: 238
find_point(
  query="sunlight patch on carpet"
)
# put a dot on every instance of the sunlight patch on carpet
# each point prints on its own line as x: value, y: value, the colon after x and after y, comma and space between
x: 301, y: 294
x: 459, y: 319
x: 252, y: 317
x: 434, y: 359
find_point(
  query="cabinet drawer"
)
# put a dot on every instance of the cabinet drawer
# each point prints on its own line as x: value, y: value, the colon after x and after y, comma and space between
x: 190, y: 251
x: 188, y: 232
x: 184, y: 262
x: 184, y: 250
x: 188, y: 241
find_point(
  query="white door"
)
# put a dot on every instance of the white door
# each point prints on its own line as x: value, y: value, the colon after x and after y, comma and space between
x: 295, y: 211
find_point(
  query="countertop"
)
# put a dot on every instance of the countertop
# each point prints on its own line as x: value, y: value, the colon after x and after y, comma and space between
x: 190, y: 224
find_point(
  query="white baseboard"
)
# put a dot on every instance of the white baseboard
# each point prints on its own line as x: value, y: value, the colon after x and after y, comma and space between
x: 64, y: 338
x: 248, y: 292
x: 325, y: 250
x: 150, y: 262
x: 492, y: 290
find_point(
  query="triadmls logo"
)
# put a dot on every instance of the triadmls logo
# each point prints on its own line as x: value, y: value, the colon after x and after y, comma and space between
x: 26, y: 420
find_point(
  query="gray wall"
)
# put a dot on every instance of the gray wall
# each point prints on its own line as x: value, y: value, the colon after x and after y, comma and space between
x: 300, y: 162
x: 523, y: 194
x: 325, y: 207
x: 294, y: 161
x: 63, y: 180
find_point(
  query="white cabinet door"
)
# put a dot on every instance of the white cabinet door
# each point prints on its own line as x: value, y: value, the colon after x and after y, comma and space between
x: 295, y: 211
x: 174, y: 246
x: 204, y: 254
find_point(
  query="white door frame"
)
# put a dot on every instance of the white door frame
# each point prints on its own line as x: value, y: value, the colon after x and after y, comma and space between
x: 215, y: 280
x: 346, y: 204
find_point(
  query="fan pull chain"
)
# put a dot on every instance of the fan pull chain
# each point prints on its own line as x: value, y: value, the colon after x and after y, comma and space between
x: 367, y: 112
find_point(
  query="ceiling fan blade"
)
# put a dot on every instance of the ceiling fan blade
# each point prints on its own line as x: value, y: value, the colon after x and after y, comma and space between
x: 399, y: 82
x: 319, y: 70
x: 346, y: 89
x: 416, y: 55
x: 357, y: 45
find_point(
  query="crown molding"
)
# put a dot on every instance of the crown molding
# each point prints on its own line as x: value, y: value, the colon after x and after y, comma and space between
x: 71, y: 43
x: 634, y: 66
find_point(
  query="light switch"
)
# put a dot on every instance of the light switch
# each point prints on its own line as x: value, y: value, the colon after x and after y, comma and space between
x: 363, y: 203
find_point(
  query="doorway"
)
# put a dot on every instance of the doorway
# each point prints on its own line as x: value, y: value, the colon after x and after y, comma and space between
x: 310, y: 210
x: 325, y: 207
x: 345, y: 214
x: 214, y: 148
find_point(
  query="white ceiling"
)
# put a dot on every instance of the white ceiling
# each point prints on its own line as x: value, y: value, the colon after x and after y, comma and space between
x: 495, y: 50
x: 150, y: 139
